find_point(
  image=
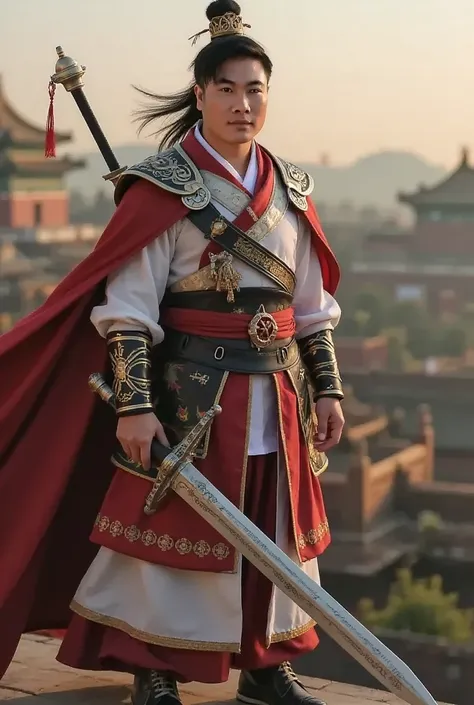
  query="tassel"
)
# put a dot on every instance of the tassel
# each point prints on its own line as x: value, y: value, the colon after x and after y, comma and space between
x: 50, y: 140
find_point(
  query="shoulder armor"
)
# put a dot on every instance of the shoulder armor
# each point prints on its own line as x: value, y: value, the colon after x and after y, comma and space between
x: 298, y: 182
x: 172, y: 171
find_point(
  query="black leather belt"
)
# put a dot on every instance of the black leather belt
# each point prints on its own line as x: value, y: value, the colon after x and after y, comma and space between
x: 229, y: 355
x: 245, y: 300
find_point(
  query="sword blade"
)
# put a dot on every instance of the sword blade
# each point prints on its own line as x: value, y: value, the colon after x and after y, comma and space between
x: 270, y: 560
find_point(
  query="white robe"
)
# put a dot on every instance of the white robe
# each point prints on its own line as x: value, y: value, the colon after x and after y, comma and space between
x: 190, y: 609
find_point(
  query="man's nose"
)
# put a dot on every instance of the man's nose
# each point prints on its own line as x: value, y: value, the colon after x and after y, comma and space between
x: 241, y: 104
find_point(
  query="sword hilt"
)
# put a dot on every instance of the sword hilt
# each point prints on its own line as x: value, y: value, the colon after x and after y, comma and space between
x: 69, y: 73
x: 169, y: 461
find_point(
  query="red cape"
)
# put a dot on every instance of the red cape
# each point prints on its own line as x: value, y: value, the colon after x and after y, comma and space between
x: 56, y: 438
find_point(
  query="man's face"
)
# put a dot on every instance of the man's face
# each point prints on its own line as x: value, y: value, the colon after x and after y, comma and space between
x: 234, y: 106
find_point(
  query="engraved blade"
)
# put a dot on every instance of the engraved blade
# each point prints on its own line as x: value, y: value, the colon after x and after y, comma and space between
x: 335, y: 620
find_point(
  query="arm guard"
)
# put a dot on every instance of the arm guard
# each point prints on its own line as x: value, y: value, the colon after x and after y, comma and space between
x: 130, y: 357
x: 317, y: 352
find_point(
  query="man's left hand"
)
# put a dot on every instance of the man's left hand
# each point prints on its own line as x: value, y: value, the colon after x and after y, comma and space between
x: 330, y: 423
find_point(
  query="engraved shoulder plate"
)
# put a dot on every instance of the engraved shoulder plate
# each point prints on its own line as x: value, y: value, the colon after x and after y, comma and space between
x: 172, y: 171
x: 298, y: 182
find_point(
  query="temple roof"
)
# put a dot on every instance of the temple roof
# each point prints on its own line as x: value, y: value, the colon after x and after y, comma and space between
x: 21, y: 130
x: 455, y: 190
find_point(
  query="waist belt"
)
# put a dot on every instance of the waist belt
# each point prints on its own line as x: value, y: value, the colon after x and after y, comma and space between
x: 247, y: 300
x: 229, y: 355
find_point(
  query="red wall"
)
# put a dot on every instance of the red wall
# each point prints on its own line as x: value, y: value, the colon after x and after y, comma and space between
x: 18, y: 210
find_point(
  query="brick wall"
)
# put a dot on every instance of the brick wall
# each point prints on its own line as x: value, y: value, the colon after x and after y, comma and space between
x: 20, y: 210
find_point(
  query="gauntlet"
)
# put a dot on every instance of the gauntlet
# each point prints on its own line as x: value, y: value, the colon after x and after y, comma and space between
x: 317, y: 352
x: 130, y: 357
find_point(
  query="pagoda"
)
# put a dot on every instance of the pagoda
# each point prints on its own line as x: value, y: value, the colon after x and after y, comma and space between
x: 33, y: 193
x: 432, y: 263
x: 451, y: 200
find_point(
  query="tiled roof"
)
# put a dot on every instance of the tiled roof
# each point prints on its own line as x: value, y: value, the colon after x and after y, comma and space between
x: 456, y: 190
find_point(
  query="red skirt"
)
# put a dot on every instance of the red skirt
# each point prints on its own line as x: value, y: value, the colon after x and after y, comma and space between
x: 92, y: 646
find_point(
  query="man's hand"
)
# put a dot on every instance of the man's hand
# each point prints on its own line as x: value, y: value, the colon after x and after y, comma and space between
x: 136, y: 433
x: 330, y: 423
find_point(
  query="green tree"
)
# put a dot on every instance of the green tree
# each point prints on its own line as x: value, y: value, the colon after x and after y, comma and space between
x: 452, y: 341
x: 420, y: 607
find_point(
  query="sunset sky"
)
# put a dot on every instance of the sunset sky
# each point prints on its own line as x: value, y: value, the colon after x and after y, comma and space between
x: 351, y: 76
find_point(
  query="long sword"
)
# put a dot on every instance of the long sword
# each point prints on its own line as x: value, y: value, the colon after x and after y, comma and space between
x: 176, y: 472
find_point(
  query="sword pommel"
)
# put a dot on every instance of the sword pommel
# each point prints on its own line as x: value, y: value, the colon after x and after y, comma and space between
x: 98, y: 385
x: 68, y: 72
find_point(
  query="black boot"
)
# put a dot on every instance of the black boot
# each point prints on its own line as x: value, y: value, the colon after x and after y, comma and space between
x: 274, y: 686
x: 155, y: 688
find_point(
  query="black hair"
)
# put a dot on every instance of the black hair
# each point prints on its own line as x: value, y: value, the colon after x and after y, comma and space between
x: 180, y: 109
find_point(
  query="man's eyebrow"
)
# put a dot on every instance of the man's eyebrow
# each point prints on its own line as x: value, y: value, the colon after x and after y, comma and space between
x: 230, y: 82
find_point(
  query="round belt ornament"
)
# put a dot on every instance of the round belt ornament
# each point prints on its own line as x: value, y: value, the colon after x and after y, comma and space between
x: 262, y: 329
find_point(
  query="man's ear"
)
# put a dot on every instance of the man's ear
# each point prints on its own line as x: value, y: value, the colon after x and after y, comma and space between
x: 199, y: 93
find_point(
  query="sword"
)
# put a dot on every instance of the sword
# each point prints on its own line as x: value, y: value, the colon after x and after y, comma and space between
x: 70, y: 74
x: 177, y: 472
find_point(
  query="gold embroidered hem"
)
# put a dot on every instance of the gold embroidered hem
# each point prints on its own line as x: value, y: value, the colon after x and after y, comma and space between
x: 155, y: 639
x: 314, y: 536
x: 291, y: 633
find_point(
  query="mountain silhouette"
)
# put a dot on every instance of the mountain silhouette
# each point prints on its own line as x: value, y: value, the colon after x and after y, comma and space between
x: 373, y: 180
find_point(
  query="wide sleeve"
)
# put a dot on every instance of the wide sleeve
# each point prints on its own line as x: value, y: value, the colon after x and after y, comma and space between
x: 315, y: 308
x: 134, y: 292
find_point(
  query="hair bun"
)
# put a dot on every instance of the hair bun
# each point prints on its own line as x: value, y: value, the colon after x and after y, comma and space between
x: 220, y: 7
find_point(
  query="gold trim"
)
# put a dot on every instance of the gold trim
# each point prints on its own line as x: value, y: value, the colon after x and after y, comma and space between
x: 166, y: 641
x: 207, y: 436
x: 287, y: 468
x: 292, y: 633
x: 310, y: 448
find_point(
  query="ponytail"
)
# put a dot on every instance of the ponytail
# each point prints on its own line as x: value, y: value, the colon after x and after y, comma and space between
x: 182, y: 106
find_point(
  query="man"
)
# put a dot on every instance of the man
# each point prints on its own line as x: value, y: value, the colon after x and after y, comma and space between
x: 218, y: 288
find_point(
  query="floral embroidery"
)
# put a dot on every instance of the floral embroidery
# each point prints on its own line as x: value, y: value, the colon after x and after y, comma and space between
x: 182, y: 413
x: 314, y: 536
x: 220, y: 551
x: 149, y: 538
x: 171, y: 375
x: 183, y: 546
x: 116, y: 528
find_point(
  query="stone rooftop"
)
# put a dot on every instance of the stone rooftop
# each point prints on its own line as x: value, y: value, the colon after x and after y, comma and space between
x: 35, y: 673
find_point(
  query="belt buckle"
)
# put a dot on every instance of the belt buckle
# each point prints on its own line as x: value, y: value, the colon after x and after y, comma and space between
x: 262, y: 329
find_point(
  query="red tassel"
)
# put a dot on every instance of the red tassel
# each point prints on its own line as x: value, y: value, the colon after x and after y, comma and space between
x: 50, y: 140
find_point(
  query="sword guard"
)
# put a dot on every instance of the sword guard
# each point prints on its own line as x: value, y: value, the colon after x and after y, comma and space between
x: 170, y: 467
x: 168, y: 461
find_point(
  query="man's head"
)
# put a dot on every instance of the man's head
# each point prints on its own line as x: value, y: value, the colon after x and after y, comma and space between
x: 232, y: 75
x: 230, y: 87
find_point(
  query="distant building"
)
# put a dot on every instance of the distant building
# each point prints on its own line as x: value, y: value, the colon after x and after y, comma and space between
x: 32, y: 189
x: 433, y: 264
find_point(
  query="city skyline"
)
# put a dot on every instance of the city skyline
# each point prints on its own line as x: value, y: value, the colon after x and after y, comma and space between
x: 350, y: 79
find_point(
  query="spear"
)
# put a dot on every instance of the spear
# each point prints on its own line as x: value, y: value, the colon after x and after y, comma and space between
x: 69, y: 73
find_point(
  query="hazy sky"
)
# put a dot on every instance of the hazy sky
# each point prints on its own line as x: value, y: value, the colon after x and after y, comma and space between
x: 351, y: 76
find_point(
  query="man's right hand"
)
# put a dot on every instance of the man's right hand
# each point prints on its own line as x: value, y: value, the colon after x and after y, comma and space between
x: 136, y: 433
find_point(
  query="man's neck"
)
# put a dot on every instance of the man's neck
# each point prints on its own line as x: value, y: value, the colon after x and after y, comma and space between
x: 238, y: 155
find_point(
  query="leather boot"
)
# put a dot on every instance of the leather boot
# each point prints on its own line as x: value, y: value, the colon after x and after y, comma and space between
x: 278, y: 685
x: 155, y: 688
